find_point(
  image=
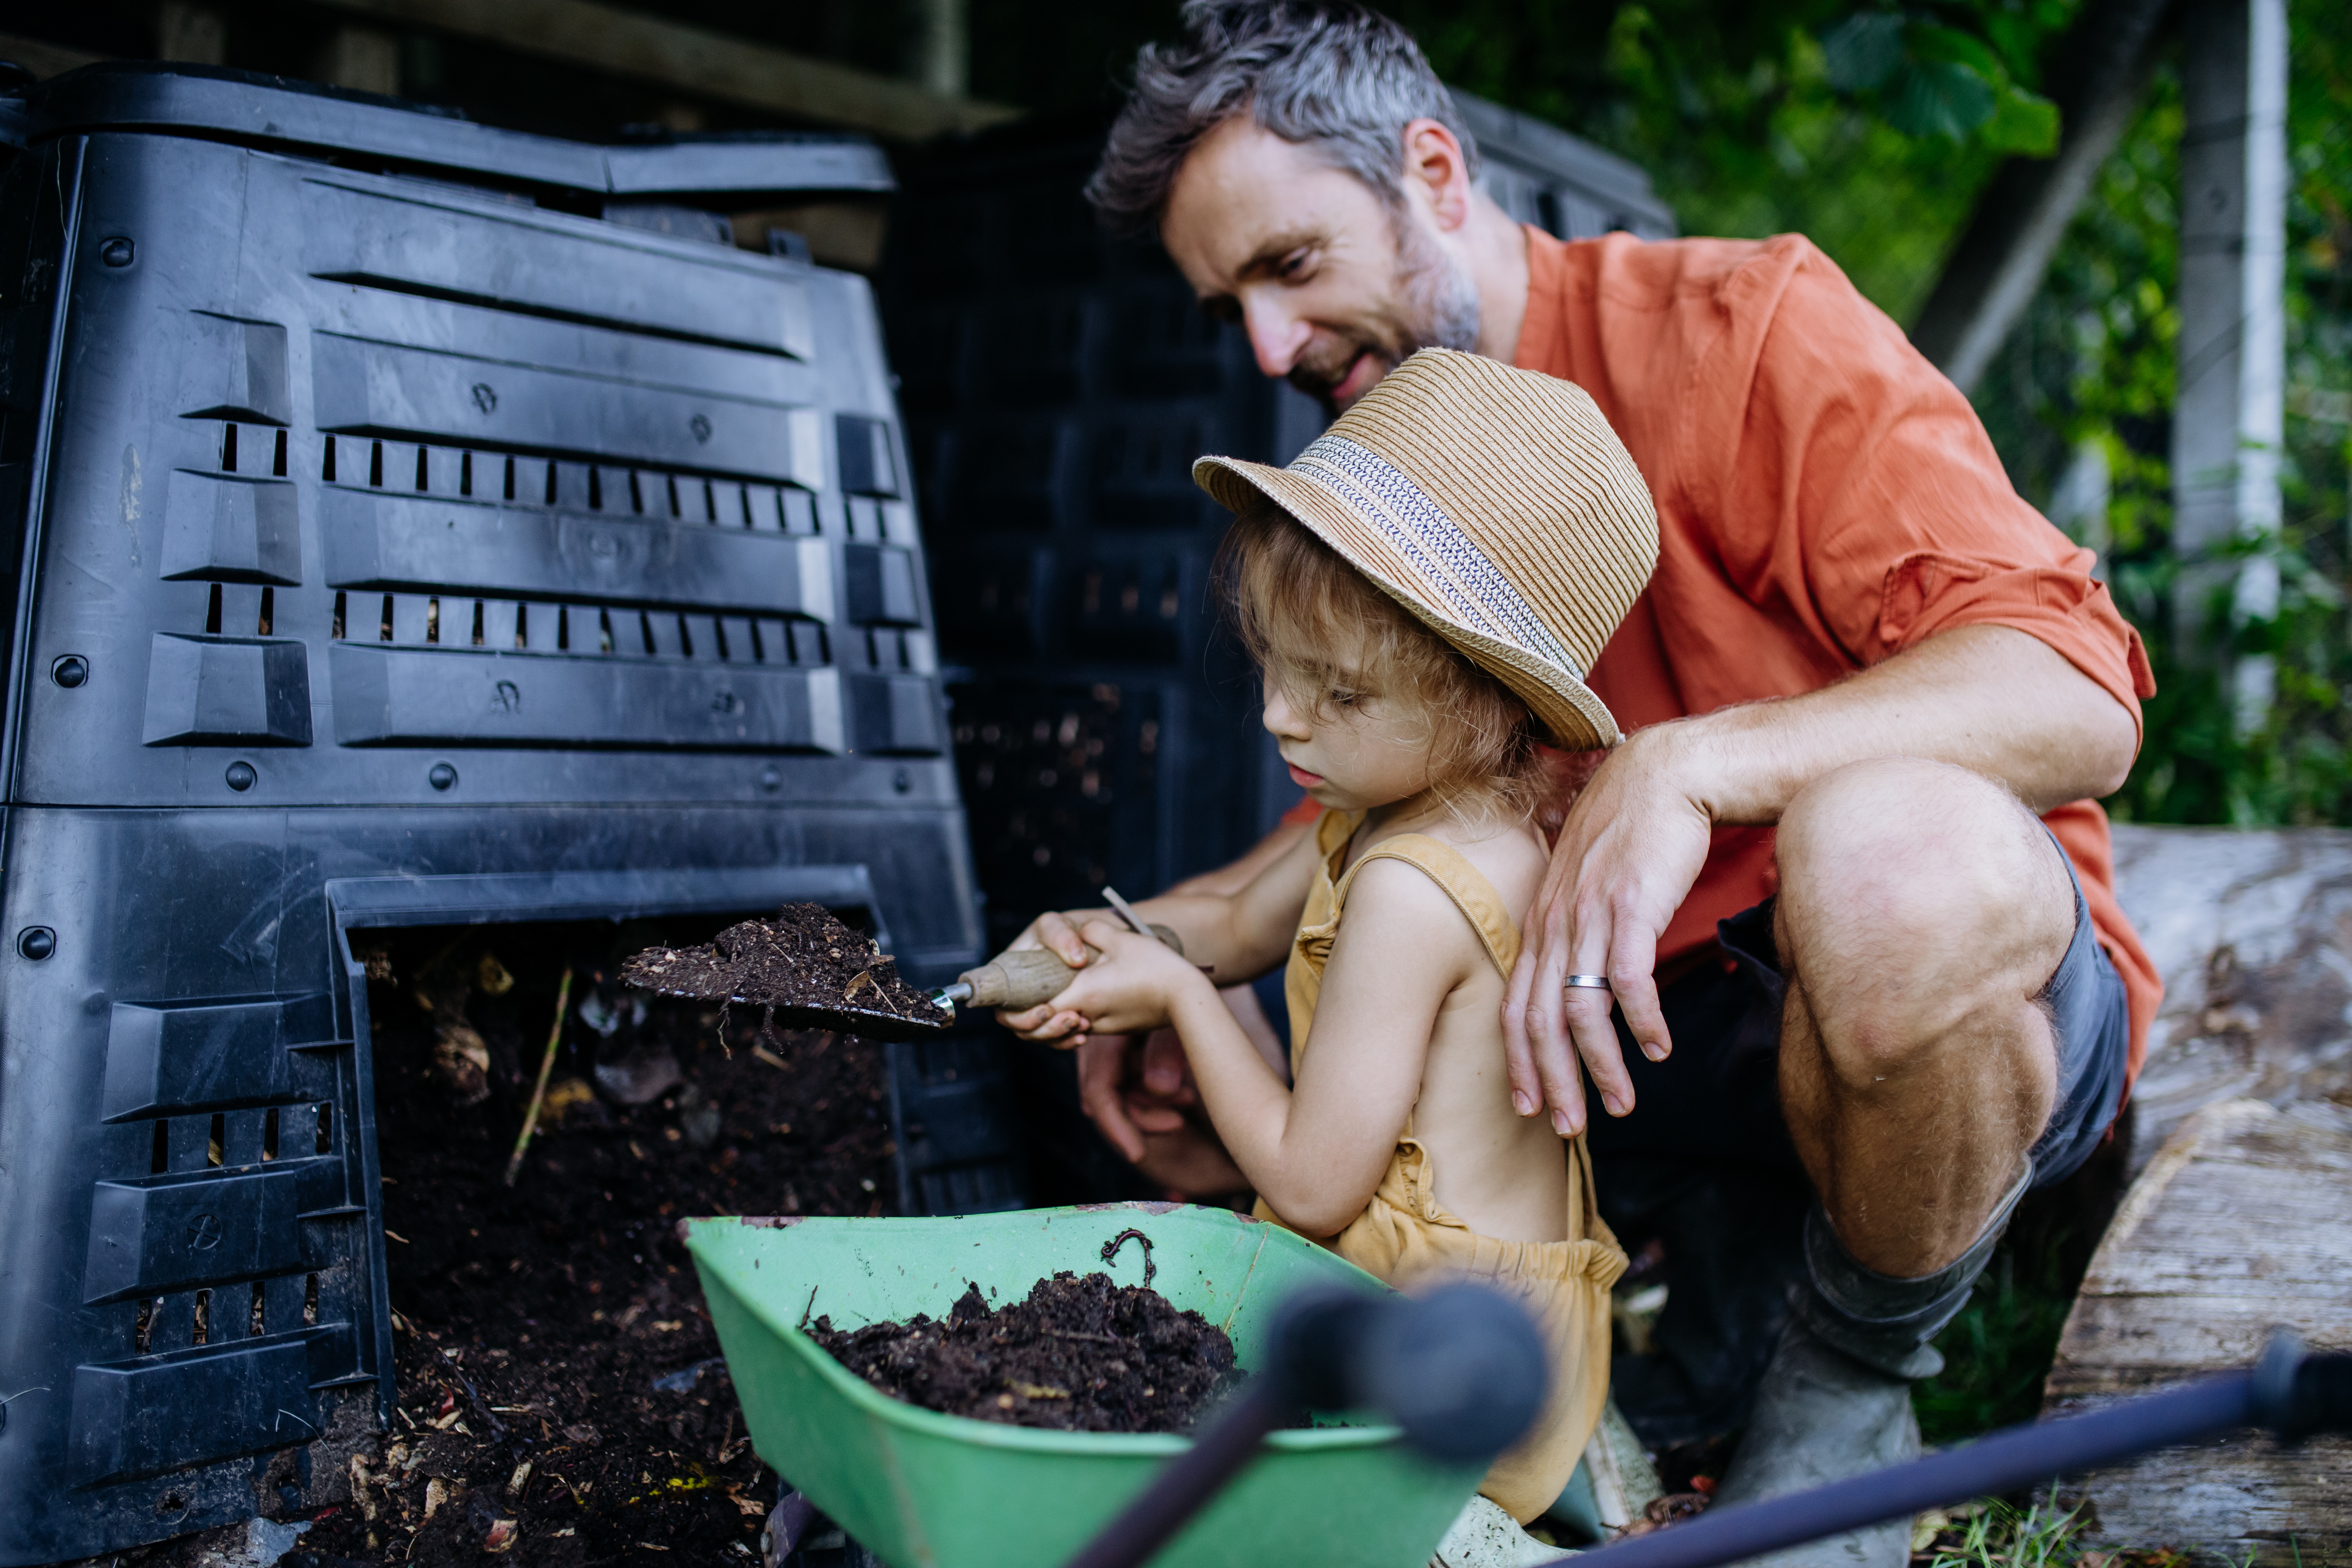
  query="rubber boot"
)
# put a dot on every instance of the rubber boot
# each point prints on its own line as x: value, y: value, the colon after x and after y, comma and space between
x: 1836, y: 1401
x: 1486, y: 1537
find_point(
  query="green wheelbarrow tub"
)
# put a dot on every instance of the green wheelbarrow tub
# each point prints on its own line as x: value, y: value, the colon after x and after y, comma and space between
x: 924, y: 1490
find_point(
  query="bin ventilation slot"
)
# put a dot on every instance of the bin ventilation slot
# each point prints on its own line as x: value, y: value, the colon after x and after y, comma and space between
x: 500, y: 626
x: 467, y: 473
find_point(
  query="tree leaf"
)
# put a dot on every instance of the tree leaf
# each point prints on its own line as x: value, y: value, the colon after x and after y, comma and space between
x: 2022, y: 122
x: 1939, y: 98
x: 1955, y: 48
x: 1862, y: 51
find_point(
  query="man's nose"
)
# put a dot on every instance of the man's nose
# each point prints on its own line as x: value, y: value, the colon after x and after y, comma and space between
x: 1276, y: 336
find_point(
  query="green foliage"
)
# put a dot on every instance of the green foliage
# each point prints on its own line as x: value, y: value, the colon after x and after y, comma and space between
x: 1994, y: 1534
x: 1929, y: 79
x: 2092, y: 366
x: 1997, y: 1351
x: 1872, y: 136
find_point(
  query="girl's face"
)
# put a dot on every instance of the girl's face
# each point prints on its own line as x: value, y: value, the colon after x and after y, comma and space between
x: 1359, y: 752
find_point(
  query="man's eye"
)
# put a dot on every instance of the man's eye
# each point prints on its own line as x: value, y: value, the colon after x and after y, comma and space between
x: 1294, y: 266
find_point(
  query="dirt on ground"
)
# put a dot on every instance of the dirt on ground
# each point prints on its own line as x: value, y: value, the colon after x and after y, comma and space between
x: 1079, y: 1353
x: 561, y: 1399
x: 800, y: 962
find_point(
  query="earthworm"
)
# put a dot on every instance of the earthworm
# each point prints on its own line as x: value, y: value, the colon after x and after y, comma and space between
x: 1110, y: 1251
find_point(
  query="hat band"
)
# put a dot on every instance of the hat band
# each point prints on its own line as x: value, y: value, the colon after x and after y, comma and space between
x: 1460, y: 573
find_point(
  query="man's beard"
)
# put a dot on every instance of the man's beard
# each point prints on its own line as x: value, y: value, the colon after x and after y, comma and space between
x: 1435, y: 306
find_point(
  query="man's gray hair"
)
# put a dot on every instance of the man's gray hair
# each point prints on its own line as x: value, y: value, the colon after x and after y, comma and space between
x: 1325, y: 74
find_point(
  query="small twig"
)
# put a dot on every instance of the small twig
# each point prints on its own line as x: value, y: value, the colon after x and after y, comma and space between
x: 1097, y: 1339
x: 810, y: 1307
x: 546, y: 1066
x: 481, y: 1405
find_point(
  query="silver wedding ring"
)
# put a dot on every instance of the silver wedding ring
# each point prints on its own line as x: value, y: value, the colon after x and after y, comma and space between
x: 1587, y: 983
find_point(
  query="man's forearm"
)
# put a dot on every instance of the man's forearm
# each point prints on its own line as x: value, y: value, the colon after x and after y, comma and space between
x: 1988, y: 699
x: 1229, y: 879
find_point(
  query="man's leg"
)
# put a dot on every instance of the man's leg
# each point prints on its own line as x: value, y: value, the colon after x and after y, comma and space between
x: 1922, y: 915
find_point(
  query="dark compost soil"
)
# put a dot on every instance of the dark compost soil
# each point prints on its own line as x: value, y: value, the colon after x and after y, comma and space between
x: 800, y: 959
x: 1080, y: 1354
x: 561, y: 1402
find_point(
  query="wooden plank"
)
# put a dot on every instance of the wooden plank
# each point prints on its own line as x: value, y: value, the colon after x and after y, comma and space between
x: 697, y: 60
x: 42, y: 58
x: 2240, y: 1225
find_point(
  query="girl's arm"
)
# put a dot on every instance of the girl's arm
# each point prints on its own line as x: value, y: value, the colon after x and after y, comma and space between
x: 1240, y: 935
x: 1247, y: 932
x: 1315, y: 1153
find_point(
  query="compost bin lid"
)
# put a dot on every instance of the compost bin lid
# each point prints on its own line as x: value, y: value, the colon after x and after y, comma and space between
x: 281, y: 113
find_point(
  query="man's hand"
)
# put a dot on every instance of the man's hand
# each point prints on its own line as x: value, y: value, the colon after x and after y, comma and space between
x: 1637, y: 838
x: 1153, y: 1101
x: 1626, y: 856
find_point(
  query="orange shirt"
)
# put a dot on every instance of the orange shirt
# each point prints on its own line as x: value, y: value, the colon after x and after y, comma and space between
x: 1825, y: 499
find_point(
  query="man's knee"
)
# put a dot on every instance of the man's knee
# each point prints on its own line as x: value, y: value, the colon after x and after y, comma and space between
x: 1914, y: 896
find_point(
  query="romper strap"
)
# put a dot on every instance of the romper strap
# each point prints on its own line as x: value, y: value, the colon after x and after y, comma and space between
x: 1463, y: 883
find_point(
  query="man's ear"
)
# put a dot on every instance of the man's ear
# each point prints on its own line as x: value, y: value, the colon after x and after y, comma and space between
x: 1436, y: 173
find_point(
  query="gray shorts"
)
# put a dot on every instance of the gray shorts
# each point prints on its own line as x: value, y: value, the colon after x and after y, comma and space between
x: 1718, y: 1098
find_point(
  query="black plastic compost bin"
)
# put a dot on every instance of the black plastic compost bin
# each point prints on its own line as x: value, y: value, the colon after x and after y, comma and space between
x: 412, y: 524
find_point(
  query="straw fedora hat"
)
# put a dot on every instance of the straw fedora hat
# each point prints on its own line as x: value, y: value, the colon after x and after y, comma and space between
x: 1495, y: 504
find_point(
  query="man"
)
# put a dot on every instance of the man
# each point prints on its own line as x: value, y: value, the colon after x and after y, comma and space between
x: 1812, y: 881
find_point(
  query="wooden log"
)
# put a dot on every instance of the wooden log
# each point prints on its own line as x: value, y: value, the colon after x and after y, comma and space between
x: 2252, y: 934
x: 2240, y: 1225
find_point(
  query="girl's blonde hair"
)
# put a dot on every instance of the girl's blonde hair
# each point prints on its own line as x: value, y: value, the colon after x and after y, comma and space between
x: 1316, y: 626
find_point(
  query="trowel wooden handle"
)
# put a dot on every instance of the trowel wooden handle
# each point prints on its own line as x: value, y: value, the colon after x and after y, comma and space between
x: 1021, y: 977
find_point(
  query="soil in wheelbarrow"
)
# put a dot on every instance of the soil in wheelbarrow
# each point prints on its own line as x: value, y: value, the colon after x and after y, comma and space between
x: 560, y: 1401
x: 1079, y: 1353
x: 801, y: 958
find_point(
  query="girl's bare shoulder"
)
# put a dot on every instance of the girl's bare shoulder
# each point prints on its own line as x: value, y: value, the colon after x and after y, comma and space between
x: 1509, y: 854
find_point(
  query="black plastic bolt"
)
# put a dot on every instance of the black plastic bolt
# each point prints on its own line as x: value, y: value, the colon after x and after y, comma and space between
x: 70, y: 671
x: 443, y: 776
x: 902, y: 780
x: 771, y: 779
x: 36, y: 942
x: 240, y: 776
x: 115, y: 251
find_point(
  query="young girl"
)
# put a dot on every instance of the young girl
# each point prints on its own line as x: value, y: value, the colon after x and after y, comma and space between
x: 1422, y: 591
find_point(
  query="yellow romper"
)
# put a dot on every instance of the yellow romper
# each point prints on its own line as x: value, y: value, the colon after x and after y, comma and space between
x: 1404, y: 1237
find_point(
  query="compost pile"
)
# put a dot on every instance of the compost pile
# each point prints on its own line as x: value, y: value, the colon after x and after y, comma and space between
x: 801, y: 957
x: 1080, y: 1354
x: 559, y: 1399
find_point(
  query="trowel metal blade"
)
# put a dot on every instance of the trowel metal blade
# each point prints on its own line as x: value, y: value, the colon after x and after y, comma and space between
x: 867, y: 1023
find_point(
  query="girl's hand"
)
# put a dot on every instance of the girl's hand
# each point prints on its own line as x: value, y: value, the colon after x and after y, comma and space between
x: 1058, y: 932
x: 1133, y: 987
